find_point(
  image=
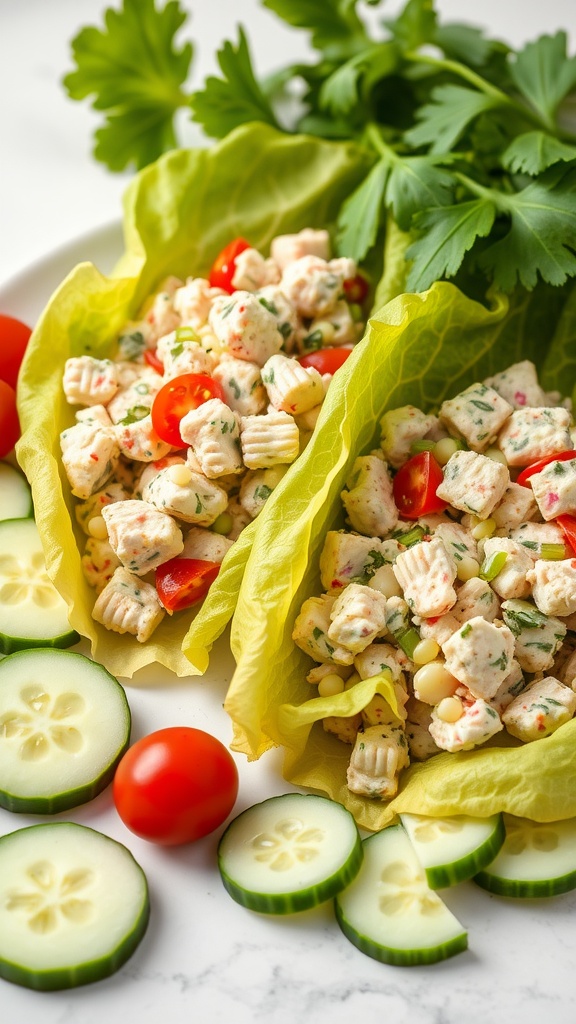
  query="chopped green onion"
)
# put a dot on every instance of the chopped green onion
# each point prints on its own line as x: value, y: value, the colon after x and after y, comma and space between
x: 186, y: 333
x: 492, y: 565
x: 412, y: 536
x: 421, y: 446
x: 520, y: 615
x: 223, y: 524
x: 553, y: 552
x: 136, y: 413
x: 408, y: 639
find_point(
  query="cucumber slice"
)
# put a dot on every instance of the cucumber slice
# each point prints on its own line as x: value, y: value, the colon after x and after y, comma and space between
x: 32, y: 612
x: 536, y: 860
x: 73, y: 906
x: 289, y: 853
x: 390, y: 913
x: 64, y: 725
x: 16, y: 496
x: 454, y: 849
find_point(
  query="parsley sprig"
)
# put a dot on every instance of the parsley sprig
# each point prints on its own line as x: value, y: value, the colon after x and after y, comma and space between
x: 473, y: 149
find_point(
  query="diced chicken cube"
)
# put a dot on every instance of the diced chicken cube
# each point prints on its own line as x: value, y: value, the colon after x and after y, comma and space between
x: 512, y: 580
x: 190, y: 497
x: 368, y: 499
x: 539, y: 710
x: 417, y: 726
x: 380, y: 753
x: 252, y: 271
x: 89, y: 381
x: 476, y: 415
x: 242, y: 384
x: 357, y: 617
x: 239, y: 516
x: 98, y: 563
x: 511, y: 687
x: 160, y: 316
x: 310, y: 631
x: 439, y: 629
x: 554, y: 586
x: 245, y: 327
x: 458, y: 541
x: 478, y: 723
x: 314, y: 286
x: 519, y: 385
x: 537, y: 637
x: 564, y: 667
x: 531, y: 536
x: 479, y: 655
x: 193, y: 301
x: 517, y: 506
x: 181, y: 356
x: 473, y: 483
x: 141, y: 536
x: 91, y: 509
x: 530, y: 434
x: 89, y: 455
x: 129, y: 605
x: 205, y: 545
x: 426, y: 573
x: 286, y: 249
x: 213, y: 431
x: 344, y: 329
x: 352, y: 558
x: 342, y: 727
x: 287, y: 320
x: 291, y: 387
x: 378, y: 658
x: 257, y: 486
x: 554, y: 488
x: 135, y: 400
x: 139, y: 441
x: 151, y: 469
x: 399, y: 428
x: 269, y: 440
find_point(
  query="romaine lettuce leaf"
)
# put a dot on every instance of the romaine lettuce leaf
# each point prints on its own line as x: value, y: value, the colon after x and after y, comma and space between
x: 179, y: 213
x: 418, y: 349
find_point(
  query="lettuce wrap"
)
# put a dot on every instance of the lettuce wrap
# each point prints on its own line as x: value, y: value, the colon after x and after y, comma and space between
x: 178, y: 214
x: 418, y: 349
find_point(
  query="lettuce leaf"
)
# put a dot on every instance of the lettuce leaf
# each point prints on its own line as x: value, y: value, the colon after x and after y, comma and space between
x: 178, y: 214
x: 419, y: 349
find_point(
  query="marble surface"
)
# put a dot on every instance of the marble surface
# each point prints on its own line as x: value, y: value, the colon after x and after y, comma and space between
x: 204, y: 957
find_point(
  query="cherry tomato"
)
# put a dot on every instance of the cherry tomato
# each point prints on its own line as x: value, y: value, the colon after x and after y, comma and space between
x: 356, y: 289
x: 14, y: 337
x: 152, y: 359
x: 9, y: 422
x: 325, y: 360
x: 415, y: 486
x: 567, y: 524
x: 175, y: 785
x: 536, y: 467
x: 177, y: 397
x: 224, y: 265
x: 182, y: 582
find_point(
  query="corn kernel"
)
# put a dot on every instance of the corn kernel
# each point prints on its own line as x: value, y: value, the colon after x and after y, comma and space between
x: 425, y: 651
x: 97, y: 528
x: 467, y: 568
x: 223, y: 524
x: 444, y: 449
x: 330, y: 685
x: 385, y: 581
x: 496, y: 455
x: 179, y: 475
x: 433, y: 682
x: 450, y: 709
x: 484, y: 529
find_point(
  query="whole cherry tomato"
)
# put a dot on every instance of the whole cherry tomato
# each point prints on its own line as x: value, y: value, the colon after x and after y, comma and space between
x: 325, y: 360
x: 14, y: 336
x: 224, y: 265
x: 182, y: 582
x: 177, y: 397
x: 175, y: 785
x: 537, y: 467
x: 415, y: 485
x: 9, y: 422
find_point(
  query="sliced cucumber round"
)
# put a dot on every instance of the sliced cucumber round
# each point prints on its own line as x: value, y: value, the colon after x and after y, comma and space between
x: 453, y: 849
x: 289, y: 853
x: 16, y: 496
x: 390, y: 913
x: 537, y: 859
x: 73, y: 906
x: 32, y: 612
x: 64, y: 725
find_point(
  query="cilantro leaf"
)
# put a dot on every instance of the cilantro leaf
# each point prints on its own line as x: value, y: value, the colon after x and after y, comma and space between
x: 443, y: 121
x: 361, y: 214
x: 541, y: 238
x: 416, y: 183
x: 225, y: 103
x: 334, y: 24
x: 532, y: 152
x: 415, y: 25
x: 464, y: 42
x: 352, y: 81
x: 446, y: 235
x: 135, y: 73
x: 544, y: 74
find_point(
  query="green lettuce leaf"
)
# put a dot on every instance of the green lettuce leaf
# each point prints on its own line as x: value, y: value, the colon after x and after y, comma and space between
x: 178, y: 214
x: 419, y: 349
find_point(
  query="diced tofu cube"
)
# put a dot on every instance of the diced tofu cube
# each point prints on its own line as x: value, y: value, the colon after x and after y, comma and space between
x: 554, y: 586
x: 89, y: 381
x: 252, y: 271
x: 479, y: 722
x: 193, y: 300
x: 269, y: 440
x: 205, y: 545
x: 380, y: 753
x: 512, y: 580
x: 198, y: 500
x: 310, y: 631
x: 554, y: 488
x: 518, y: 384
x: 245, y: 327
x: 352, y: 558
x: 357, y: 617
x: 368, y: 499
x: 426, y: 573
x: 399, y: 428
x: 286, y: 249
x: 479, y: 655
x: 89, y: 455
x: 537, y: 637
x: 473, y: 483
x: 98, y: 563
x: 314, y: 286
x: 475, y: 597
x: 242, y: 384
x: 539, y: 710
x: 476, y: 415
x: 139, y: 441
x: 291, y: 387
x: 141, y: 536
x: 517, y: 506
x: 530, y: 434
x: 213, y: 431
x: 129, y: 605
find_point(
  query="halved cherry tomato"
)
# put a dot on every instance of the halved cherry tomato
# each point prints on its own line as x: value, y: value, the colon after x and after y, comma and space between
x: 325, y: 360
x: 9, y: 422
x: 415, y: 486
x: 356, y: 289
x: 175, y: 785
x: 567, y: 524
x: 224, y: 265
x: 177, y: 397
x: 152, y: 359
x: 14, y: 337
x: 536, y: 467
x: 182, y: 582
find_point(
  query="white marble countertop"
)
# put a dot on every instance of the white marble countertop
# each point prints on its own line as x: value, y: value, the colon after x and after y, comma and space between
x: 204, y: 957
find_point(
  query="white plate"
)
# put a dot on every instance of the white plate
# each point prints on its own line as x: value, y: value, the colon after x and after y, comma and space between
x: 204, y: 956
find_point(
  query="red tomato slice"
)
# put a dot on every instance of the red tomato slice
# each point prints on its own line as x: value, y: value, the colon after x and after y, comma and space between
x: 9, y: 422
x: 536, y: 467
x: 415, y: 486
x: 182, y: 582
x: 224, y: 265
x: 152, y: 359
x: 356, y: 289
x: 567, y: 524
x: 177, y: 397
x: 14, y: 336
x: 175, y: 785
x: 326, y: 360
